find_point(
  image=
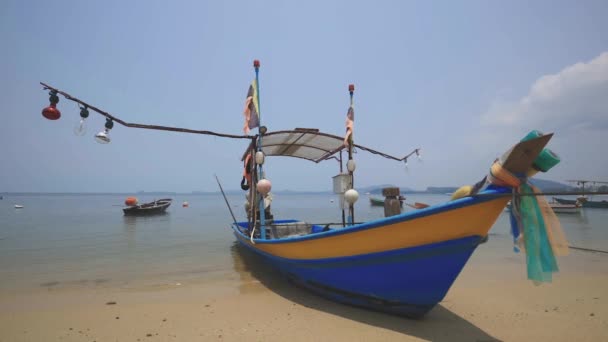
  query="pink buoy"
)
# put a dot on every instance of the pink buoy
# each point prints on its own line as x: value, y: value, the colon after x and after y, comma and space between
x: 264, y: 186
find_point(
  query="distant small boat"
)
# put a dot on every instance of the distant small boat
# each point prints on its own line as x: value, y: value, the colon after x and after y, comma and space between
x: 185, y: 204
x: 565, y: 208
x: 151, y: 208
x: 558, y: 208
x: 18, y: 206
x: 584, y: 202
x: 379, y: 202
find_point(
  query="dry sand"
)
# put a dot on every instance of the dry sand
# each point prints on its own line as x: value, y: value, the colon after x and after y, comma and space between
x: 491, y: 300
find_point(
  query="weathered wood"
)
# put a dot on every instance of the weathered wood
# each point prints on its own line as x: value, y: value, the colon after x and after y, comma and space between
x: 391, y: 192
x: 392, y: 206
x: 519, y: 158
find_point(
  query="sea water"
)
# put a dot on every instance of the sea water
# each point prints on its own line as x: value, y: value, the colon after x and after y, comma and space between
x: 85, y: 240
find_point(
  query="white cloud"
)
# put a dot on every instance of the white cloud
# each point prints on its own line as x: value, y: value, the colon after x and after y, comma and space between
x: 573, y: 104
x: 574, y: 98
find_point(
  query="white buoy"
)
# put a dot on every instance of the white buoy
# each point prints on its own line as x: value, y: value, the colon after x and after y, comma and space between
x: 351, y: 196
x: 259, y: 157
x: 351, y: 165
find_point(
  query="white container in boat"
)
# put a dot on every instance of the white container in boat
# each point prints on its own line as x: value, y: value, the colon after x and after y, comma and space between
x: 342, y: 182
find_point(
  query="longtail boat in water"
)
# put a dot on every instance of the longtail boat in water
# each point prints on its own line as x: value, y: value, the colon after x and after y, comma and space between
x: 379, y: 202
x: 583, y: 200
x: 403, y: 263
x: 151, y: 208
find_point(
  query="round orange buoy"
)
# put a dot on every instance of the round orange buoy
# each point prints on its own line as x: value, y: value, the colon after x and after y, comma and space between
x: 185, y: 204
x: 51, y: 112
x: 130, y: 201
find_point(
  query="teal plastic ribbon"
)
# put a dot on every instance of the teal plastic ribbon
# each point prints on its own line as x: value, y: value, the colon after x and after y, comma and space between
x: 539, y: 253
x: 533, y: 134
x: 547, y: 158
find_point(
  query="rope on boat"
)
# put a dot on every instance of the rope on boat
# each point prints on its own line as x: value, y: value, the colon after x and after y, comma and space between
x: 226, y: 199
x: 558, y: 193
x: 588, y: 249
x: 387, y: 156
x: 314, y: 224
x: 251, y: 237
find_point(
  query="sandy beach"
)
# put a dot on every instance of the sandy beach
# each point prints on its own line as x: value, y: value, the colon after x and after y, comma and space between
x: 491, y: 300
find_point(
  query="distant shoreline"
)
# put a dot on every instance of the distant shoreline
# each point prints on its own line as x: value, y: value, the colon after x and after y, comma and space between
x: 544, y: 185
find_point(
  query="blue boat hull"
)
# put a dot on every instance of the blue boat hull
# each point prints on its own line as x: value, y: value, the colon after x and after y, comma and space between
x: 408, y: 281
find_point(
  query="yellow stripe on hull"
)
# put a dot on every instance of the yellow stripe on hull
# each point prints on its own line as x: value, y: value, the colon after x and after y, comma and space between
x: 451, y: 224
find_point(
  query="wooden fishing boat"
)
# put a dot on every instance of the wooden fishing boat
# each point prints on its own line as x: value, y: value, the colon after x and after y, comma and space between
x: 403, y: 263
x: 151, y: 208
x: 379, y: 202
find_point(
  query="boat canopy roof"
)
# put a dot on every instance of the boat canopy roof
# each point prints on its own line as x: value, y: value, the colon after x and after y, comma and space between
x: 305, y: 143
x: 309, y: 144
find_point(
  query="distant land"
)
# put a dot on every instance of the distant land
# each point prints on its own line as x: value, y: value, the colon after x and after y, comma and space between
x: 543, y: 185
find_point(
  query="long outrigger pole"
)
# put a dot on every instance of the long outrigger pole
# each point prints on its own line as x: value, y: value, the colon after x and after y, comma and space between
x: 558, y: 193
x: 253, y: 138
x: 136, y: 125
x: 351, y: 141
x: 261, y: 131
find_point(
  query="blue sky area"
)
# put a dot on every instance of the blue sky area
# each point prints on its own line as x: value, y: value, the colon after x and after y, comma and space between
x: 462, y: 80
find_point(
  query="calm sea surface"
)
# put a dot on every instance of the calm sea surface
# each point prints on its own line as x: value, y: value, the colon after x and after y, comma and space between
x: 82, y: 240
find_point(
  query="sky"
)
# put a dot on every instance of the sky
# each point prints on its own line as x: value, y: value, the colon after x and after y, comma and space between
x: 463, y: 81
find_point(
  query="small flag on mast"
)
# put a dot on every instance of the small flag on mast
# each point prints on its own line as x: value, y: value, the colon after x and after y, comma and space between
x: 350, y: 122
x: 251, y: 112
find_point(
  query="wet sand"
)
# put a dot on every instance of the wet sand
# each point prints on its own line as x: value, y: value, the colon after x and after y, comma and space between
x: 491, y: 300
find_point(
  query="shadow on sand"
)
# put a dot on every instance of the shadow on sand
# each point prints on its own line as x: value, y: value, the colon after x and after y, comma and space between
x: 438, y: 325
